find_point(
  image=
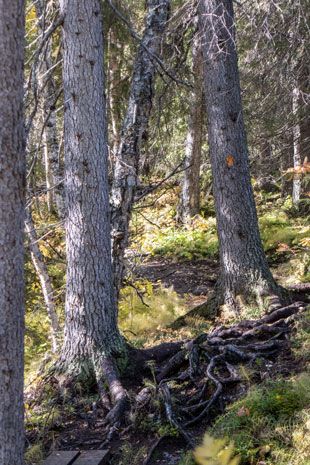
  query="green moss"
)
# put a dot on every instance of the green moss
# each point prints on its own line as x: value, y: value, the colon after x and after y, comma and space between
x: 34, y: 455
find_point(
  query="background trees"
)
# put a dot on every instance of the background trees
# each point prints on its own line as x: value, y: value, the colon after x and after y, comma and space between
x: 12, y: 201
x: 163, y: 145
x: 150, y: 142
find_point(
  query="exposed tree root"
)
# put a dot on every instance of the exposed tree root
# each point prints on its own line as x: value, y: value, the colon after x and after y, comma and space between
x: 195, y: 378
x: 119, y: 395
x: 206, y: 366
x: 152, y: 449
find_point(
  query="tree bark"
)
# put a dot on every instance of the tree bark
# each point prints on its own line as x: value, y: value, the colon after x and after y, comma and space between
x: 243, y: 266
x: 296, y: 146
x: 114, y: 82
x: 133, y: 132
x: 12, y: 195
x: 42, y: 271
x: 190, y: 191
x: 91, y: 332
x: 53, y: 169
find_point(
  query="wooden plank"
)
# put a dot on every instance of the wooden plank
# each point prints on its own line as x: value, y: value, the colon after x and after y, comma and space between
x: 62, y: 457
x: 93, y: 457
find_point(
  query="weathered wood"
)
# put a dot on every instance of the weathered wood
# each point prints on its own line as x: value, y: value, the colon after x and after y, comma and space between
x: 62, y: 457
x: 93, y: 457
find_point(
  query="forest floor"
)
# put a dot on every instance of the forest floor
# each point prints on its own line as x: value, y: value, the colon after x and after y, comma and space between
x: 81, y: 425
x: 251, y: 372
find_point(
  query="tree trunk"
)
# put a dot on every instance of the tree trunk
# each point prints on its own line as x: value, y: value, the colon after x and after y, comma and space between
x: 133, y: 131
x: 92, y: 342
x: 53, y: 169
x: 243, y: 266
x: 12, y: 194
x: 296, y: 146
x: 42, y: 271
x: 114, y: 82
x: 190, y: 191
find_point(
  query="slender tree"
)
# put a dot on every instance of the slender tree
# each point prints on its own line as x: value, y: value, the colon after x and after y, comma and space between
x: 46, y: 285
x: 54, y: 171
x: 133, y: 132
x: 12, y: 186
x: 244, y: 269
x: 92, y: 345
x: 190, y: 190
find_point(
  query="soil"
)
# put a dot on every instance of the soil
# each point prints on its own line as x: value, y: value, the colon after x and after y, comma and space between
x: 192, y: 280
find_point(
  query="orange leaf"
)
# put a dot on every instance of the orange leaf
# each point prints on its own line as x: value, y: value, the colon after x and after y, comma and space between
x: 283, y: 248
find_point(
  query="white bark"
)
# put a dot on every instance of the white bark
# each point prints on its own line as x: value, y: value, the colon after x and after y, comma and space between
x: 54, y: 172
x: 12, y: 186
x: 134, y: 129
x: 46, y: 286
x: 296, y: 146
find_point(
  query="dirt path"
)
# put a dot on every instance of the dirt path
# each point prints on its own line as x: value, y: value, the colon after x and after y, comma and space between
x: 196, y: 277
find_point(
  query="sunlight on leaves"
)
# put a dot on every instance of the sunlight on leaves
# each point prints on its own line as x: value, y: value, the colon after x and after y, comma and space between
x: 213, y: 452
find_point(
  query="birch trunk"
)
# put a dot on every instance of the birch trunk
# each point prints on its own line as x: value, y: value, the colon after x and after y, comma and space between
x: 92, y: 342
x: 190, y: 191
x: 296, y: 146
x: 244, y: 269
x: 133, y: 131
x: 12, y: 194
x: 42, y: 271
x: 54, y: 172
x: 114, y: 82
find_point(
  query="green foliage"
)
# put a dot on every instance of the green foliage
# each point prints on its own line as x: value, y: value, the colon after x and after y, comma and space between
x: 301, y: 337
x: 215, y: 452
x: 156, y: 427
x: 275, y: 228
x: 188, y: 243
x: 34, y: 455
x: 187, y: 459
x: 130, y: 454
x: 159, y: 307
x: 257, y: 422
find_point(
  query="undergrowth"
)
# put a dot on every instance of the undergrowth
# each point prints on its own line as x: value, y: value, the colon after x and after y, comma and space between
x: 271, y: 422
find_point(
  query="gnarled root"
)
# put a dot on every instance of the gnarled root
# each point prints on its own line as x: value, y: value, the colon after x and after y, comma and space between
x: 117, y: 414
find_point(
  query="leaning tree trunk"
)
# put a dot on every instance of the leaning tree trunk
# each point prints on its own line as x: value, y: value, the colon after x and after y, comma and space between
x: 46, y: 286
x: 190, y: 191
x: 133, y: 131
x: 243, y: 266
x: 54, y: 171
x: 12, y: 194
x: 92, y: 342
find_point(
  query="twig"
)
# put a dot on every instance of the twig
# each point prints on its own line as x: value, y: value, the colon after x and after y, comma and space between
x: 153, y: 188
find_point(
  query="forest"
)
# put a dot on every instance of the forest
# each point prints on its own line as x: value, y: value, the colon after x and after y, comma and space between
x: 154, y: 232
